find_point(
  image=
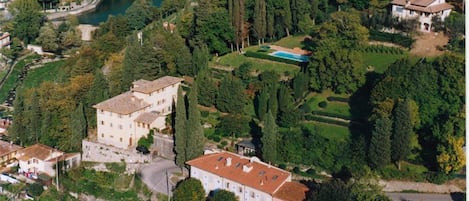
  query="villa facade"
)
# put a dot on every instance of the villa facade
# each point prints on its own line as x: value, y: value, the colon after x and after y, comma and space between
x: 423, y: 10
x: 248, y: 178
x: 125, y: 118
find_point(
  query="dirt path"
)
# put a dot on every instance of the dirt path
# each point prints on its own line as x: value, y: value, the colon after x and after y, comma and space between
x: 426, y: 44
x: 398, y: 186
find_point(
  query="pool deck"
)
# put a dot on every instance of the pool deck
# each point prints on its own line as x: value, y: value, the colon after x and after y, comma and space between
x: 295, y: 50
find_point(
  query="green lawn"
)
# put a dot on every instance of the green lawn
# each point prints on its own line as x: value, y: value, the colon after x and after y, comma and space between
x: 329, y: 131
x: 235, y: 60
x: 12, y: 80
x: 46, y: 73
x: 291, y: 41
x: 332, y: 106
x: 380, y: 61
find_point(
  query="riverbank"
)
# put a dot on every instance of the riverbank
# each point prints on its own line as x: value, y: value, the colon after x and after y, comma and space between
x: 86, y: 6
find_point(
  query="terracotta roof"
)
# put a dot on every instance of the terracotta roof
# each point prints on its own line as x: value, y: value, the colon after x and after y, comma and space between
x: 292, y: 191
x: 125, y: 103
x: 261, y: 176
x: 421, y: 5
x: 147, y: 87
x: 148, y: 117
x: 39, y: 151
x: 6, y: 147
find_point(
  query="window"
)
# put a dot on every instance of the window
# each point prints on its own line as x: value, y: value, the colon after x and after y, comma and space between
x: 227, y: 185
x: 240, y: 189
x: 158, y: 102
x: 427, y: 14
x: 120, y: 126
x: 411, y: 12
x: 399, y: 9
x: 102, y: 135
x: 111, y: 136
x: 120, y: 139
x: 102, y: 122
x: 120, y: 116
x: 110, y: 125
x: 252, y: 194
x: 169, y: 108
x: 173, y: 85
x: 162, y: 101
x: 102, y: 111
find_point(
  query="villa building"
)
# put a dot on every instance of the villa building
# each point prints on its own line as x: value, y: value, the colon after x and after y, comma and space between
x: 248, y: 178
x: 8, y: 151
x: 423, y: 10
x: 125, y: 118
x: 37, y: 159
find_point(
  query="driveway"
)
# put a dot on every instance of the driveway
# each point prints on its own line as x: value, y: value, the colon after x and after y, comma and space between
x: 424, y: 197
x: 154, y: 175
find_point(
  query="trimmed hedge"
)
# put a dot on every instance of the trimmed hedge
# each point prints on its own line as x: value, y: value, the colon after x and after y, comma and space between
x: 338, y: 99
x: 259, y: 55
x: 396, y: 38
x: 324, y: 113
x: 381, y: 49
x: 325, y: 120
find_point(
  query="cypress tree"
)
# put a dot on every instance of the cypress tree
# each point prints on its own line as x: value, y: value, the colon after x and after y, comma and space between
x: 194, y: 131
x: 273, y: 101
x: 231, y: 97
x: 380, y: 145
x: 269, y: 139
x: 200, y: 57
x: 262, y: 104
x: 18, y: 129
x: 78, y: 128
x: 98, y: 92
x: 35, y: 117
x: 402, y: 131
x: 180, y: 130
x: 207, y: 89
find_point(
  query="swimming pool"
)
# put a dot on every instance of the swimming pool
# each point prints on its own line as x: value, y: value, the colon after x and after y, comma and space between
x: 290, y: 56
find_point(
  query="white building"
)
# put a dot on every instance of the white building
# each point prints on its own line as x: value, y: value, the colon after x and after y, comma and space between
x: 423, y: 10
x: 39, y: 158
x: 248, y: 178
x: 124, y: 119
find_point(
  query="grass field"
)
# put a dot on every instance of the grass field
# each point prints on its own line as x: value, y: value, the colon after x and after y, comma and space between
x: 329, y: 131
x: 46, y: 73
x: 332, y: 106
x: 12, y: 80
x: 380, y: 61
x: 235, y: 60
x: 292, y: 41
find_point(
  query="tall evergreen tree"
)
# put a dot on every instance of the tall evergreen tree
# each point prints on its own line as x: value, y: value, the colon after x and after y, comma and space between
x: 207, y: 89
x: 194, y: 131
x: 180, y: 141
x: 35, y: 117
x: 380, y: 145
x: 78, y: 128
x: 231, y: 97
x: 273, y: 100
x: 200, y: 57
x: 260, y: 23
x: 18, y: 130
x: 262, y: 103
x: 269, y: 139
x: 402, y: 131
x: 98, y: 92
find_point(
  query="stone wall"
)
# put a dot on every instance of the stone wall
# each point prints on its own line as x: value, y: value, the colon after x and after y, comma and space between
x: 97, y: 152
x: 163, y: 146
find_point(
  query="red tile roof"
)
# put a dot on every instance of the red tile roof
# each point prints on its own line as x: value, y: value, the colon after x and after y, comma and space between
x: 261, y: 176
x: 147, y: 87
x: 125, y: 103
x: 292, y: 191
x: 6, y: 148
x: 423, y: 5
x: 39, y: 151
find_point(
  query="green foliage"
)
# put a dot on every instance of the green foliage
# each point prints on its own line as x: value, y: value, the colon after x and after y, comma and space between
x: 35, y: 189
x: 332, y: 190
x: 189, y: 189
x: 195, y: 139
x: 48, y: 38
x: 244, y: 71
x: 231, y: 97
x: 402, y: 131
x: 207, y: 89
x: 78, y: 128
x: 27, y: 19
x: 146, y: 141
x: 380, y: 144
x: 139, y: 14
x: 200, y: 58
x: 269, y: 139
x: 180, y: 133
x: 322, y: 104
x: 224, y: 195
x: 395, y: 38
x: 234, y: 125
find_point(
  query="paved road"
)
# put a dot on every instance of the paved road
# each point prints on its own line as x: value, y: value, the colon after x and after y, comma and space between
x: 154, y: 174
x: 423, y: 197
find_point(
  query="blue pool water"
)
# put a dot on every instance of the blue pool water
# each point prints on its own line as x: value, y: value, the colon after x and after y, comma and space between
x: 291, y: 56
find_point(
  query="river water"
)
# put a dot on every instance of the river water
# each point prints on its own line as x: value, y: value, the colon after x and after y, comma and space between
x: 106, y: 8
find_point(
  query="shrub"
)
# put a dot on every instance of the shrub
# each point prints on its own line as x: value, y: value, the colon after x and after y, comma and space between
x: 396, y: 38
x: 437, y: 177
x: 224, y: 143
x: 322, y: 104
x: 311, y: 171
x: 35, y: 189
x: 306, y: 108
x: 338, y: 99
x: 296, y: 170
x: 204, y: 113
x: 282, y: 166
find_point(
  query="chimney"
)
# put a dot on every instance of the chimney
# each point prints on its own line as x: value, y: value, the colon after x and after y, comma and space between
x: 247, y: 168
x: 262, y: 182
x: 228, y: 162
x: 216, y: 167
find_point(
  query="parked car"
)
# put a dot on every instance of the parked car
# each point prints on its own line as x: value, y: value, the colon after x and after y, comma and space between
x: 143, y: 150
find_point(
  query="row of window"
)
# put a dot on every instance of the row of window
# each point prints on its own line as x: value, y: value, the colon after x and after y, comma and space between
x: 111, y: 136
x: 119, y: 126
